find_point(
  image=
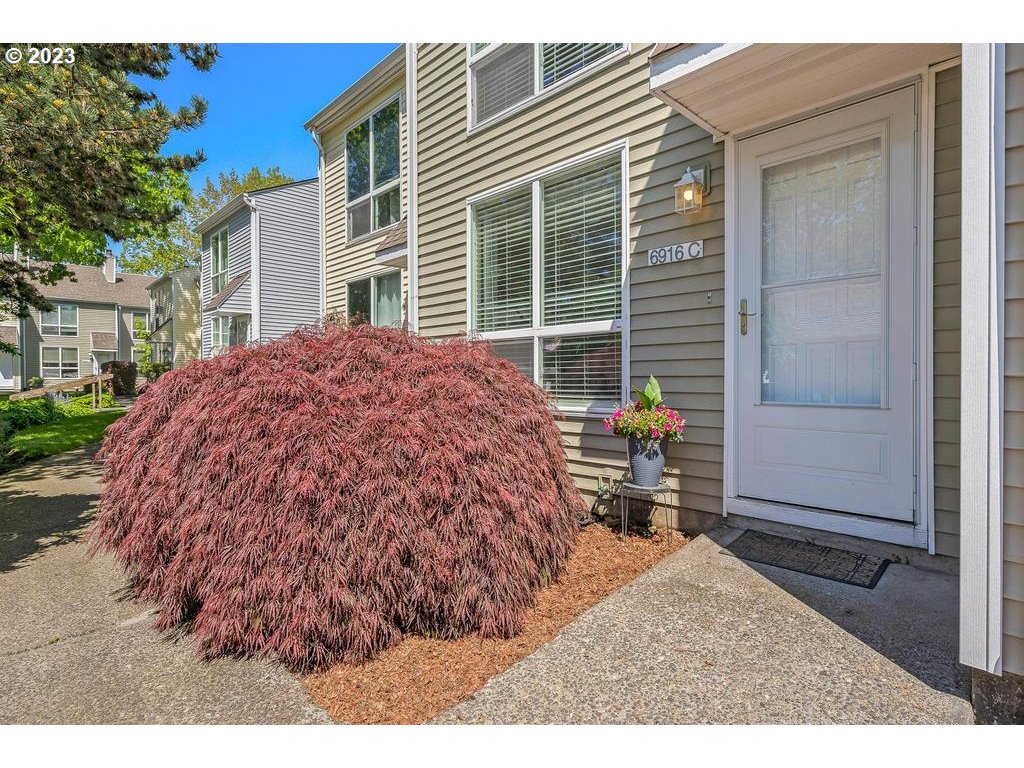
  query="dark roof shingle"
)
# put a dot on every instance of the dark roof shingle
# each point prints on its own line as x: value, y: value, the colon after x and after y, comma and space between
x: 104, y: 341
x: 90, y: 284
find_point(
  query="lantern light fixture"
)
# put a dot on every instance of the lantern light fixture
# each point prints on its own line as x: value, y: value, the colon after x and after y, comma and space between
x: 691, y: 189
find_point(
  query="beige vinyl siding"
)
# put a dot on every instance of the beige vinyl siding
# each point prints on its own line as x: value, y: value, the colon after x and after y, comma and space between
x: 91, y: 317
x: 185, y: 324
x: 125, y: 342
x: 347, y: 261
x: 946, y: 312
x: 1013, y: 455
x: 676, y: 333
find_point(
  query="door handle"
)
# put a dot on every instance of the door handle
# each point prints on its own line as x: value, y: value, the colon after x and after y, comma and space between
x: 744, y: 314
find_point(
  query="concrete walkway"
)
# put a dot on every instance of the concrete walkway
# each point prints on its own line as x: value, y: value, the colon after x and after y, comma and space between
x: 74, y: 649
x: 705, y: 638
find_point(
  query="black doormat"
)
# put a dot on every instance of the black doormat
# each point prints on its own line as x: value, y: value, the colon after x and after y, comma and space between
x: 814, y: 559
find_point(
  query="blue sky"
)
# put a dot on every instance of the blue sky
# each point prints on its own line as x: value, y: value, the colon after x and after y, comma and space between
x: 259, y: 96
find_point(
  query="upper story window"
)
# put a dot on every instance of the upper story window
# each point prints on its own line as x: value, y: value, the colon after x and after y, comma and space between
x: 218, y: 261
x: 551, y: 302
x: 62, y: 320
x: 503, y: 76
x: 373, y: 165
x: 140, y: 325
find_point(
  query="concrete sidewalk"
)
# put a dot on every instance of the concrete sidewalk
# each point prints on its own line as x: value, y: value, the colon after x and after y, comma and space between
x: 75, y: 649
x: 705, y: 638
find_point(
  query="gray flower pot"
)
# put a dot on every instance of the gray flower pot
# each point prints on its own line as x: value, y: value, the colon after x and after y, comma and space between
x: 646, y: 464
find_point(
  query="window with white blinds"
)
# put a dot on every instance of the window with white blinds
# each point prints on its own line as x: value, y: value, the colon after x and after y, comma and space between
x: 566, y: 332
x: 503, y: 76
x: 559, y: 60
x: 503, y: 256
x: 583, y: 246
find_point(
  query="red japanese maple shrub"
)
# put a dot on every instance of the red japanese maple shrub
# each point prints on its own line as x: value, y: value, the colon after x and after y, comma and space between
x: 316, y: 497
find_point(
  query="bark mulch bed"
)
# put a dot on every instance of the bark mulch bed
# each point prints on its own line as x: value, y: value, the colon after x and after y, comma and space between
x: 420, y: 677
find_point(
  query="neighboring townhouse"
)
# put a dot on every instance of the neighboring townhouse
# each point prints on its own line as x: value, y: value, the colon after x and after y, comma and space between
x: 92, y: 321
x: 174, y: 308
x: 260, y: 268
x: 815, y: 248
x: 364, y: 166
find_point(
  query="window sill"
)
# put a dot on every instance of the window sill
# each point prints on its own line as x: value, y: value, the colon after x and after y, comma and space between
x: 575, y: 77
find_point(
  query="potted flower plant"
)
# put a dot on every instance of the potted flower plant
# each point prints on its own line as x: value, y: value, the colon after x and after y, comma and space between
x: 648, y: 425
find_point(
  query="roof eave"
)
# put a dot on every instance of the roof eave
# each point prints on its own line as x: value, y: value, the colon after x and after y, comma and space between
x: 389, y: 67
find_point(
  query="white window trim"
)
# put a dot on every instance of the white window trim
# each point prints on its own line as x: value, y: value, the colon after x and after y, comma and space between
x: 539, y: 93
x: 60, y: 358
x: 374, y: 191
x: 216, y: 236
x: 536, y: 330
x: 60, y: 327
x: 146, y: 317
x: 372, y: 277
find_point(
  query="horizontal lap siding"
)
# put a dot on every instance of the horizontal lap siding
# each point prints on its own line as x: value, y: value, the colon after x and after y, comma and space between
x: 91, y: 317
x: 677, y: 333
x: 186, y: 309
x: 289, y: 258
x: 946, y: 312
x: 239, y: 261
x: 345, y: 261
x: 1013, y: 455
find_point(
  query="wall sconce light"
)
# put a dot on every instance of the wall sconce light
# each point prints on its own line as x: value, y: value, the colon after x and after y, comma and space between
x: 691, y: 188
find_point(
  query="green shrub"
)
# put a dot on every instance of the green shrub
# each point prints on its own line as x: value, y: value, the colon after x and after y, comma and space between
x: 34, y: 382
x: 125, y: 372
x: 153, y: 371
x: 82, y: 405
x: 24, y: 413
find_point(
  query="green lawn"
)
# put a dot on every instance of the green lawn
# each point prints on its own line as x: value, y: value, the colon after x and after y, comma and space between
x: 47, y: 439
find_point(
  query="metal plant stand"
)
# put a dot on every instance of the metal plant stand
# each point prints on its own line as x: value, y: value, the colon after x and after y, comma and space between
x: 654, y: 493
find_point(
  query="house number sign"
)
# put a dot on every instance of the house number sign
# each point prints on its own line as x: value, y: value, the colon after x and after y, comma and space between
x: 670, y: 253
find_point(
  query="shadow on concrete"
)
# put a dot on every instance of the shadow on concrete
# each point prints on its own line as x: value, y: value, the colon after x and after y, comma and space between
x: 36, y: 510
x: 910, y: 617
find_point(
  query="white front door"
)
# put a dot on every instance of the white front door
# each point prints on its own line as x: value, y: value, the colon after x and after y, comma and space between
x: 826, y: 385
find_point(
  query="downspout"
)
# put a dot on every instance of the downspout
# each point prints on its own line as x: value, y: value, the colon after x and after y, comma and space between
x: 255, y: 333
x: 320, y: 172
x: 412, y: 218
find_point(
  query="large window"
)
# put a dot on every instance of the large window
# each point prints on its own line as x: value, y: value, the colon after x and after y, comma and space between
x: 62, y: 320
x: 552, y: 303
x: 218, y: 261
x: 503, y: 76
x: 59, y: 363
x: 376, y: 300
x: 373, y: 164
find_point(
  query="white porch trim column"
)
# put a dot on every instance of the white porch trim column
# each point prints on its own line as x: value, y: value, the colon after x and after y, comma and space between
x: 981, y: 358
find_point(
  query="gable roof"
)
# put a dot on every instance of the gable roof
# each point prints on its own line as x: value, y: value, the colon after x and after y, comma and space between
x: 225, y: 293
x: 90, y: 284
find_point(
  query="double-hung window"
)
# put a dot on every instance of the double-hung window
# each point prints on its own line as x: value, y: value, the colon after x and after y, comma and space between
x: 376, y: 300
x: 502, y: 76
x: 140, y: 326
x: 373, y: 165
x: 62, y: 320
x: 59, y: 363
x: 218, y: 261
x: 547, y: 281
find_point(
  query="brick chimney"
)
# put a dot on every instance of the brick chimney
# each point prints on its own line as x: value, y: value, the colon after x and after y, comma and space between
x: 110, y: 267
